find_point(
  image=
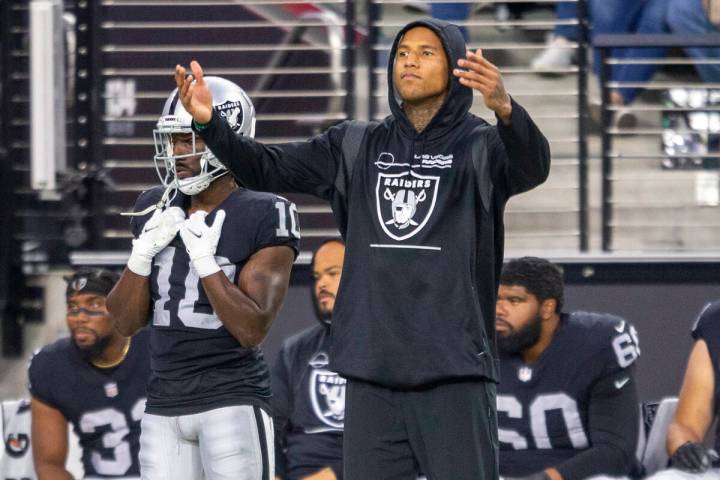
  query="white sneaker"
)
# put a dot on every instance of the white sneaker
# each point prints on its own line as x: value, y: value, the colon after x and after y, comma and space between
x: 558, y: 54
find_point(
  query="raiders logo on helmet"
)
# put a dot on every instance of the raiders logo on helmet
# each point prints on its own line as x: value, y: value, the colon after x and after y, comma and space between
x: 232, y: 113
x: 17, y: 444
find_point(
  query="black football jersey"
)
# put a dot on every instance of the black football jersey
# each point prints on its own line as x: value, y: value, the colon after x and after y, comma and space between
x: 104, y: 406
x: 707, y: 327
x: 308, y: 406
x: 543, y: 407
x: 197, y: 365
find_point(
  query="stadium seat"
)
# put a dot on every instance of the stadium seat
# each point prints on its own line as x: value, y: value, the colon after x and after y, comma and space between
x: 655, y: 456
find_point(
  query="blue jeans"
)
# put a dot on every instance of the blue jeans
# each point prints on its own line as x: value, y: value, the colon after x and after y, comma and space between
x: 668, y: 16
x: 688, y: 16
x: 452, y: 12
x: 606, y: 16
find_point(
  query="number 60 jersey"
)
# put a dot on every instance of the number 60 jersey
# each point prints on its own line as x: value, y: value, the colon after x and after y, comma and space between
x: 197, y: 365
x: 544, y: 407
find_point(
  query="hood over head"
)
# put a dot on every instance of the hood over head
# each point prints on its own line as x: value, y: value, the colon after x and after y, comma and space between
x: 459, y: 99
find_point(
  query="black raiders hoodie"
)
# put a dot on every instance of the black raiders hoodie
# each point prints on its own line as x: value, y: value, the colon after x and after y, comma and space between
x: 422, y: 218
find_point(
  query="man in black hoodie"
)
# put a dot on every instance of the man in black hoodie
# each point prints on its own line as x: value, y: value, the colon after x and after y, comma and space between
x: 420, y: 207
x: 308, y: 399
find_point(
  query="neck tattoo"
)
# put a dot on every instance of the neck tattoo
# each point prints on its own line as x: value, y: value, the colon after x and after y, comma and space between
x: 420, y: 115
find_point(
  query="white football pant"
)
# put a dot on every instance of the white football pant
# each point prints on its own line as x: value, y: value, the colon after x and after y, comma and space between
x: 229, y: 443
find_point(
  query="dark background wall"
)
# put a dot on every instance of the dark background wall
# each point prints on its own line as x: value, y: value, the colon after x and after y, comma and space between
x: 661, y: 300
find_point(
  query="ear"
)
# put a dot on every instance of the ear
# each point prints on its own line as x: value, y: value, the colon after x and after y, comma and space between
x: 547, y: 308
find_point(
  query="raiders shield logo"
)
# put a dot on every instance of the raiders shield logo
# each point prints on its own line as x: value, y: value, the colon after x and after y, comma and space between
x: 327, y: 395
x: 79, y: 283
x: 16, y: 444
x: 405, y: 202
x: 232, y: 112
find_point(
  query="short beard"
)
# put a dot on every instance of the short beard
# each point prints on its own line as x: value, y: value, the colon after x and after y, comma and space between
x: 94, y: 352
x: 324, y: 317
x: 522, y: 339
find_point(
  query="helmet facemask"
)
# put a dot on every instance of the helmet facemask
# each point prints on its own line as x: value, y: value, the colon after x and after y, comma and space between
x: 232, y: 104
x: 165, y: 158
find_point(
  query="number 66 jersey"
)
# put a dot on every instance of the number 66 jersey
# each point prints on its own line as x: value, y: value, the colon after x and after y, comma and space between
x: 565, y: 409
x: 197, y: 365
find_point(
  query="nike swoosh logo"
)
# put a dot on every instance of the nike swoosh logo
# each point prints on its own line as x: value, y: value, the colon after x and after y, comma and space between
x: 620, y: 327
x: 198, y: 235
x: 621, y: 383
x: 147, y: 229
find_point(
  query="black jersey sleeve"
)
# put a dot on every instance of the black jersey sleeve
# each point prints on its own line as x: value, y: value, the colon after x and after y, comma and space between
x: 281, y: 408
x: 278, y: 225
x: 304, y: 167
x: 621, y: 346
x: 40, y: 378
x: 707, y: 324
x: 521, y: 153
x: 707, y: 328
x: 613, y: 427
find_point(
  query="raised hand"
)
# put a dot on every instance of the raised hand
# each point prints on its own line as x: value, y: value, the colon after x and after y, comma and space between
x: 157, y: 233
x: 481, y: 75
x: 201, y: 241
x: 194, y: 92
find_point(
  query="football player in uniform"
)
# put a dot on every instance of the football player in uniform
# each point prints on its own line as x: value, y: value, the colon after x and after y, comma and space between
x: 697, y: 406
x: 209, y: 270
x: 308, y: 399
x: 567, y: 404
x: 95, y: 380
x: 419, y: 200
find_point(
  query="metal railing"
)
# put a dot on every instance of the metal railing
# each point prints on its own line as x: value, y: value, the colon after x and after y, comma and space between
x: 611, y: 136
x: 295, y: 59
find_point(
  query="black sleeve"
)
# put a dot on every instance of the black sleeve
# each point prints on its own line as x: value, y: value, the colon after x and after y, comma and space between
x: 40, y: 378
x: 301, y: 167
x: 523, y: 151
x: 614, y: 427
x: 281, y: 407
x: 269, y: 232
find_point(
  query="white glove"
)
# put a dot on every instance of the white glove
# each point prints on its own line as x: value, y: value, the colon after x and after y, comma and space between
x: 201, y: 241
x: 157, y: 233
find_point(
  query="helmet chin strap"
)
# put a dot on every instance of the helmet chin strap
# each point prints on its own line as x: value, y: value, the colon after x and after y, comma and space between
x: 167, y: 197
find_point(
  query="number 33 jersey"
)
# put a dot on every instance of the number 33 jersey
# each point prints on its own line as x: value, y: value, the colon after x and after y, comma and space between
x: 197, y: 365
x: 105, y: 406
x: 543, y: 407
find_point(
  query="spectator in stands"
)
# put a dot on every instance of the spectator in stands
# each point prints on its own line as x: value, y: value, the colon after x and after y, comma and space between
x: 697, y: 405
x: 567, y: 403
x: 95, y: 380
x: 636, y: 16
x: 452, y: 12
x: 606, y: 16
x: 308, y: 399
x: 685, y: 17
